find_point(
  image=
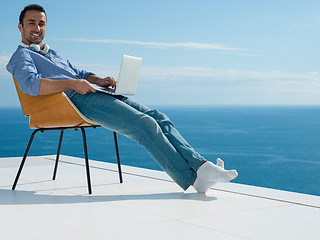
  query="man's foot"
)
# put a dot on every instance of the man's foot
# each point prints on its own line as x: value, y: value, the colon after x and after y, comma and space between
x: 209, y: 174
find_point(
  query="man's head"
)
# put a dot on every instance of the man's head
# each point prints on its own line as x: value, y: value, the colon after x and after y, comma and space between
x: 32, y: 24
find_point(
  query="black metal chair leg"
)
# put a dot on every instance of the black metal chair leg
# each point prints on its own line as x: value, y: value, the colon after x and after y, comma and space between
x: 86, y: 159
x: 24, y: 158
x: 57, y: 157
x: 118, y: 156
x: 58, y: 154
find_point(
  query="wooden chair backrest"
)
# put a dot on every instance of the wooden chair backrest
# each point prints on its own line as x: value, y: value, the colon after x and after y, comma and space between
x: 49, y: 111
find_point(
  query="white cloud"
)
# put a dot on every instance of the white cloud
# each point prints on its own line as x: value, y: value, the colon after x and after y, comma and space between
x: 314, y: 73
x: 191, y: 45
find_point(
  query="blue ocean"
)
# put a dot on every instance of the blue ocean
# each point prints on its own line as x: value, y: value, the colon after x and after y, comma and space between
x: 270, y: 146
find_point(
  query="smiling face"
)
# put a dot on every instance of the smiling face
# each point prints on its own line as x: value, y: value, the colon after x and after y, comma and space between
x: 33, y: 28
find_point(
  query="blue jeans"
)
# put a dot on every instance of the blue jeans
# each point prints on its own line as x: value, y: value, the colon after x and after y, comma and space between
x: 149, y: 128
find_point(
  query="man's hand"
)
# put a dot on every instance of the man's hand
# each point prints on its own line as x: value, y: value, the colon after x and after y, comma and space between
x: 103, y: 82
x: 82, y: 86
x: 107, y: 82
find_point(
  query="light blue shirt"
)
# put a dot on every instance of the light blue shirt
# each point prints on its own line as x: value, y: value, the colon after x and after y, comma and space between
x: 29, y: 66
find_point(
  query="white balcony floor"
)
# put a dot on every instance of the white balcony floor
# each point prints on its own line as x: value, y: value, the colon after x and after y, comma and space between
x: 148, y: 205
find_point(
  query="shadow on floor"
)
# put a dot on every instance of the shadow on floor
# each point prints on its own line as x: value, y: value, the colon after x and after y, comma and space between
x: 18, y: 197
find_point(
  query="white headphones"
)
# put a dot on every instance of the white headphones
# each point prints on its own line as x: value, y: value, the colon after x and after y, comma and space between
x: 44, y: 50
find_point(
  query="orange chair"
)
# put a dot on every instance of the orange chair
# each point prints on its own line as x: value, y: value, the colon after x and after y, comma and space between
x: 56, y: 112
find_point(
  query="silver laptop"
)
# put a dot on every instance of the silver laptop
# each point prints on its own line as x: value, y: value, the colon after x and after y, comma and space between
x: 128, y: 77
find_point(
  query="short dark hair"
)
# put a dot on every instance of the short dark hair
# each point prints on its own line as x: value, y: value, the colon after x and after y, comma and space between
x: 28, y: 8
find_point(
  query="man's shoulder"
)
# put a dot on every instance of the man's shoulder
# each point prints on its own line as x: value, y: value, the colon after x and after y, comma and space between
x: 21, y: 51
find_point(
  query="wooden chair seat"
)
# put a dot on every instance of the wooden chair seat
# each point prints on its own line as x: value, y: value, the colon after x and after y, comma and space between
x: 50, y: 111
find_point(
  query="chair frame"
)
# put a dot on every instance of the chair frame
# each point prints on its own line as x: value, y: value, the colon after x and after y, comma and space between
x: 58, y: 153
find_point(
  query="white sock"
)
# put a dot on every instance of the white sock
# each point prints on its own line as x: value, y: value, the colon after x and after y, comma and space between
x: 209, y: 174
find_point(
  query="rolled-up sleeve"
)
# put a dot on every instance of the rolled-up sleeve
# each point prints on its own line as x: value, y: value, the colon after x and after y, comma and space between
x: 22, y: 67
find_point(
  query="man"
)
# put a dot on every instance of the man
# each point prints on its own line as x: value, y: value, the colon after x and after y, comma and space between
x: 39, y: 70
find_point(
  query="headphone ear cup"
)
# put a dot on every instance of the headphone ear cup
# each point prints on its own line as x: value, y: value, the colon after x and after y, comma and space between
x: 36, y: 47
x: 45, y: 49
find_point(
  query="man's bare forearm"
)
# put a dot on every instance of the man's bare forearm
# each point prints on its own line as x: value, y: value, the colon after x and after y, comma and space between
x: 50, y: 86
x: 93, y: 79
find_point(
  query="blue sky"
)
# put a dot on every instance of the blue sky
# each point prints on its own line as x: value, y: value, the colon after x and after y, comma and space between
x: 204, y: 52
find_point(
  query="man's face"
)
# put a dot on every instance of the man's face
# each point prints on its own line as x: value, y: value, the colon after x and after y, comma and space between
x: 33, y: 28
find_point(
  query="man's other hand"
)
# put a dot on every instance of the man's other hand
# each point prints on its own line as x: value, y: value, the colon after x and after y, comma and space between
x: 103, y: 82
x: 107, y: 82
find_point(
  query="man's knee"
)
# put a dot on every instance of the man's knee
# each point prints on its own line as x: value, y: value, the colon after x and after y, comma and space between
x: 157, y: 115
x: 147, y: 122
x: 147, y: 129
x: 161, y: 118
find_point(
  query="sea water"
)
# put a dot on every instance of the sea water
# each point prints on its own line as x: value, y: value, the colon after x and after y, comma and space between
x: 270, y: 146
